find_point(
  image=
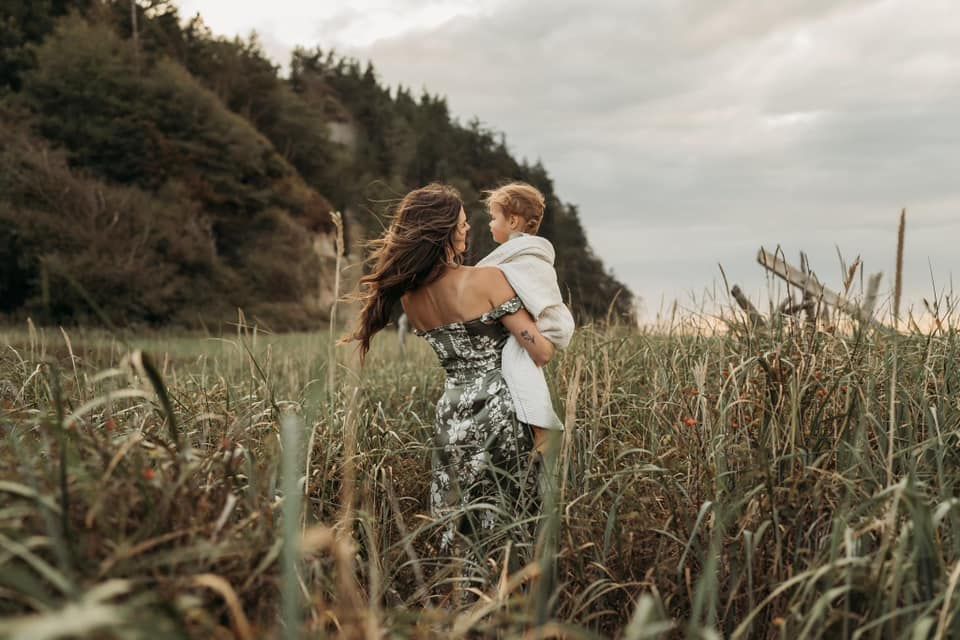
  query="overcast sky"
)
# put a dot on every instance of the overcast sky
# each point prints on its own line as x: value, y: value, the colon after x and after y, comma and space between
x: 690, y: 132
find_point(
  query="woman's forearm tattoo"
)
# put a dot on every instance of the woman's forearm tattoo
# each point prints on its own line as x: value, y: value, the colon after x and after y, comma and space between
x: 526, y: 336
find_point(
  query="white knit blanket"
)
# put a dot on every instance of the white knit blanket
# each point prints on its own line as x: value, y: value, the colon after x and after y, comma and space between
x: 527, y: 263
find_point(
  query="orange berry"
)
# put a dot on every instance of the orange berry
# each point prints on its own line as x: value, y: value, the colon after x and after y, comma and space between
x: 690, y: 422
x: 149, y: 474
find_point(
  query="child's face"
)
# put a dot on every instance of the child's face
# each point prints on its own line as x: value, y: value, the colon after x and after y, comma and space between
x: 501, y: 225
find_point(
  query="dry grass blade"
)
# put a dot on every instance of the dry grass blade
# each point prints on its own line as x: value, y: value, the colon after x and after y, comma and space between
x: 898, y: 285
x: 646, y: 621
x: 783, y: 433
x: 851, y: 274
x: 144, y: 365
x: 290, y: 430
x: 569, y: 427
x: 23, y: 491
x: 946, y: 612
x: 241, y: 626
x: 332, y: 350
x: 466, y: 622
x: 897, y: 291
x: 37, y: 563
x: 74, y: 620
x: 317, y: 538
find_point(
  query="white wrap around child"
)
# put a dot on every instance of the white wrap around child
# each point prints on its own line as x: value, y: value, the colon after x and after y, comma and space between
x: 527, y: 263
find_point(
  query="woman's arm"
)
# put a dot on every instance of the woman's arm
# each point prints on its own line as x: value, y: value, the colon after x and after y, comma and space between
x: 524, y: 329
x: 521, y: 324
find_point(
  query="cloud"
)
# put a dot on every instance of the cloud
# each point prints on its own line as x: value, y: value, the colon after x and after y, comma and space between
x: 689, y: 132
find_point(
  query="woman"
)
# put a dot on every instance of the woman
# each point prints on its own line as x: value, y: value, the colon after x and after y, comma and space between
x: 484, y: 485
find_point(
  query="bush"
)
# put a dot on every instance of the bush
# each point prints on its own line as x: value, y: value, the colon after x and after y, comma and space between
x: 208, y: 204
x: 138, y: 255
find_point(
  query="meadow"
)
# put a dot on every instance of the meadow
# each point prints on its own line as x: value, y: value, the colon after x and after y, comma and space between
x: 794, y: 482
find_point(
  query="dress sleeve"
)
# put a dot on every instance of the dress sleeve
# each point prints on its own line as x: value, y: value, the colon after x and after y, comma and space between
x: 510, y: 306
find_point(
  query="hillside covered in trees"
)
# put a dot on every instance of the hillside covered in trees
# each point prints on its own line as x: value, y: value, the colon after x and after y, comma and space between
x: 152, y: 172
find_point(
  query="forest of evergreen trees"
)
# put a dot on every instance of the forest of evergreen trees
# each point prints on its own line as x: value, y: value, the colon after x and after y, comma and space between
x: 167, y: 176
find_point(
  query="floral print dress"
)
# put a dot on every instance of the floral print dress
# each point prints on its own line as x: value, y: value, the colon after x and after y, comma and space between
x: 484, y: 485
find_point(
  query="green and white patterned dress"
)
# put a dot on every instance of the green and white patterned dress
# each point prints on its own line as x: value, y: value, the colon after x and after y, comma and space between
x: 484, y: 482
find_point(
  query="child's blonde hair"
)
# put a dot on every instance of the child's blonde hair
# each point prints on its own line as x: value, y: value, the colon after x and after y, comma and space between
x: 519, y: 199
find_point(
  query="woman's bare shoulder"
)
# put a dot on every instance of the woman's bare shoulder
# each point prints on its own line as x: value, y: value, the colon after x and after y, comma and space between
x: 412, y: 304
x: 492, y: 284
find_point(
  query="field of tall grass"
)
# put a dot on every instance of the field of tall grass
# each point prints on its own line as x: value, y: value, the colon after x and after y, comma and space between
x: 792, y: 482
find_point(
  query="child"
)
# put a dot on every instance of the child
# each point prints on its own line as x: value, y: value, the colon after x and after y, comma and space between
x: 516, y: 211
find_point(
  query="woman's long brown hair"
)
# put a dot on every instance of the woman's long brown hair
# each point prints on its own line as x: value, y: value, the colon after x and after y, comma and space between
x: 413, y: 252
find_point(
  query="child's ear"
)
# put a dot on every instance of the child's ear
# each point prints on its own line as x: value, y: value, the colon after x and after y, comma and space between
x: 515, y: 222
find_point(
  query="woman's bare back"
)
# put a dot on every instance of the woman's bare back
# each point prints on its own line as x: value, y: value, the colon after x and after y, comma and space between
x: 460, y: 294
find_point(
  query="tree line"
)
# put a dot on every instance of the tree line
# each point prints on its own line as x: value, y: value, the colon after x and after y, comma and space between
x: 153, y: 172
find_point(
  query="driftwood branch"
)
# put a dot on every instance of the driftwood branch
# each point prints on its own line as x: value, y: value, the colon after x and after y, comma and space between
x: 755, y: 318
x: 814, y: 290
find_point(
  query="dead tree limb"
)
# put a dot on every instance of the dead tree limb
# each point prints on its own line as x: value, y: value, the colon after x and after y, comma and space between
x: 812, y: 287
x: 755, y: 318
